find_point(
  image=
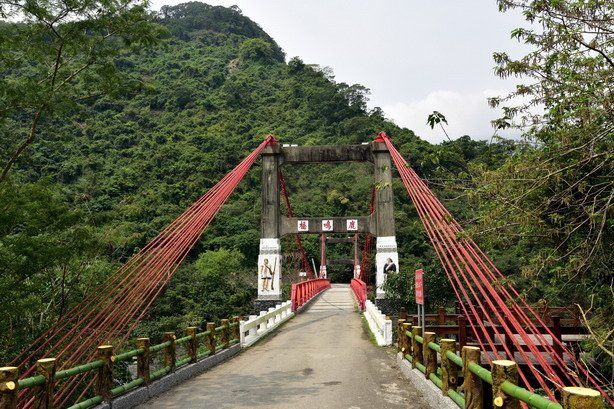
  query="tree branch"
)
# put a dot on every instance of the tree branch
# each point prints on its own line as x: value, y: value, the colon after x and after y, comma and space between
x: 23, y: 146
x: 598, y: 341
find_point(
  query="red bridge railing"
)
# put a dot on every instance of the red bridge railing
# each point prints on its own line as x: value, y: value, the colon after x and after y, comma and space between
x: 303, y: 292
x: 360, y: 291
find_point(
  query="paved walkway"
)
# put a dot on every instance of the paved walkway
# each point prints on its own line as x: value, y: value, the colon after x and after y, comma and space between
x: 321, y: 358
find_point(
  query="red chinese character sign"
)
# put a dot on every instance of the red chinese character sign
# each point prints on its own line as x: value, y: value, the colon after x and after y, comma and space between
x: 303, y: 225
x: 419, y: 287
x: 351, y: 225
x: 327, y: 225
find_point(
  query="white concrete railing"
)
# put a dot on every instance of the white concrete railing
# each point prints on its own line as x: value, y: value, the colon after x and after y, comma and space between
x: 379, y: 325
x: 258, y: 325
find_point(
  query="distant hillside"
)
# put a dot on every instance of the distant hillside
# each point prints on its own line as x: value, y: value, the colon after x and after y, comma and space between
x: 193, y: 19
x: 215, y: 88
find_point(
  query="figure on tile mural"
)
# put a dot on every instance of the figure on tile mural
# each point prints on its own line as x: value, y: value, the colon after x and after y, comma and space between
x: 389, y: 267
x: 266, y: 275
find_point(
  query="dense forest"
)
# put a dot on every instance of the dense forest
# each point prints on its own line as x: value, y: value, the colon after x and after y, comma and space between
x: 98, y: 158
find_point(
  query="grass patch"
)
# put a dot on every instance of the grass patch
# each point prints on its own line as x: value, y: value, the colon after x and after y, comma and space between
x: 367, y: 329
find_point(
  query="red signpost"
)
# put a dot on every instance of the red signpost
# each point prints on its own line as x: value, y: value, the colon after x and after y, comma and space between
x: 419, y: 287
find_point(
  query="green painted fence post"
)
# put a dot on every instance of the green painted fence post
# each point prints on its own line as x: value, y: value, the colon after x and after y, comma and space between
x: 449, y: 371
x: 407, y: 327
x: 104, y: 379
x: 170, y: 352
x: 192, y: 343
x: 237, y: 330
x: 581, y: 398
x: 472, y: 386
x: 430, y: 355
x: 400, y: 336
x: 416, y: 347
x: 225, y: 334
x: 211, y: 338
x: 44, y: 394
x: 142, y: 363
x: 8, y: 387
x: 504, y: 370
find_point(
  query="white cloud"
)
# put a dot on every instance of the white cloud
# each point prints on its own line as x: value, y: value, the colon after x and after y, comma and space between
x: 467, y: 114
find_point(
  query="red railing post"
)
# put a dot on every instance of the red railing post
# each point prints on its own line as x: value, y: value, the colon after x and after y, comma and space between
x: 293, y: 297
x: 360, y: 291
x: 462, y: 331
x: 364, y: 293
x: 303, y: 290
x: 302, y: 298
x: 306, y: 290
x: 557, y: 341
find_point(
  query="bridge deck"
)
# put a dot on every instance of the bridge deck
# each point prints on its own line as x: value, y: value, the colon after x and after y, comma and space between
x: 319, y: 359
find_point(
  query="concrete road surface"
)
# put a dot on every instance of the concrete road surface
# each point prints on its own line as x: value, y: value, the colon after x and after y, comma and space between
x: 321, y: 358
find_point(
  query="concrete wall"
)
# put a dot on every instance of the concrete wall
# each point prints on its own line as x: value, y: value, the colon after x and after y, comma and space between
x: 379, y: 325
x: 259, y: 325
x: 142, y: 394
x: 430, y: 392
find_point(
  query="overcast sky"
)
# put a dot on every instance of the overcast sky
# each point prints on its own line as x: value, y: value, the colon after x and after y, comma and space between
x: 415, y: 56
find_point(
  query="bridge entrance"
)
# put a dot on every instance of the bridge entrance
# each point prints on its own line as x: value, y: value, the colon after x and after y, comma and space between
x: 274, y: 225
x: 341, y: 270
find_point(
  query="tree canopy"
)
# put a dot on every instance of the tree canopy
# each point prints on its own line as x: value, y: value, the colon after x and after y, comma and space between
x: 58, y: 53
x: 551, y: 202
x: 110, y: 165
x: 126, y: 117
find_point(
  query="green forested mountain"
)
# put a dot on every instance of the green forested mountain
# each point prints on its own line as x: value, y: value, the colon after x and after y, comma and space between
x: 103, y: 179
x: 106, y: 175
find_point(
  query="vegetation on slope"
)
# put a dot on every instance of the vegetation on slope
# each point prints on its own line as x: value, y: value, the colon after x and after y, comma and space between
x: 104, y: 175
x: 111, y: 169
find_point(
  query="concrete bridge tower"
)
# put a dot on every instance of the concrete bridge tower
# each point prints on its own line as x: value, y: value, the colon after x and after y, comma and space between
x: 386, y: 242
x: 269, y: 258
x: 274, y: 226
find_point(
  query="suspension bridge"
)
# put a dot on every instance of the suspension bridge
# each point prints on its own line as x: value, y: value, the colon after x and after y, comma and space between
x: 86, y: 359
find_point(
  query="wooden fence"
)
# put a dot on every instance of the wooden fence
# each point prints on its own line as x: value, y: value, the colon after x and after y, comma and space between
x: 41, y: 387
x: 424, y: 353
x: 456, y: 326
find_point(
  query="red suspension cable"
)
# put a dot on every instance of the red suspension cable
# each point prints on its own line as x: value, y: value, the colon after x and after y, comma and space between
x: 115, y: 307
x: 297, y: 237
x: 322, y: 254
x: 473, y: 277
x: 365, y: 263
